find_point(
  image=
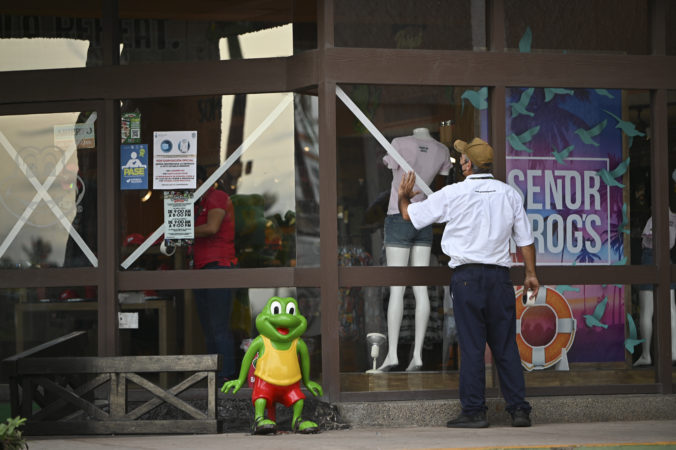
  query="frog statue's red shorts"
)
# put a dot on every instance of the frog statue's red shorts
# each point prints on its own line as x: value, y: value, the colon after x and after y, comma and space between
x: 286, y: 395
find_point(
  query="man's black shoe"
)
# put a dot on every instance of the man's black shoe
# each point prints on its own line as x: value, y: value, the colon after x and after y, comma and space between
x: 477, y: 420
x: 520, y: 418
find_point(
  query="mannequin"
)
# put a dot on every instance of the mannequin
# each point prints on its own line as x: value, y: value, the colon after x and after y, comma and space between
x: 645, y: 296
x: 422, y: 133
x: 645, y: 300
x: 405, y: 245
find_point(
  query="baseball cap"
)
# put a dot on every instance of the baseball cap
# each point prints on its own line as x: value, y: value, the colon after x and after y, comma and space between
x: 477, y: 150
x: 133, y: 239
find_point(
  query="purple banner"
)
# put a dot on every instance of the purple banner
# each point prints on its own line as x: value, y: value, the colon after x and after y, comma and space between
x: 565, y: 156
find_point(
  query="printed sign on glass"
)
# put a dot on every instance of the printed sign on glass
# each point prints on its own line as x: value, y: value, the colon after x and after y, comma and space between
x: 133, y: 166
x: 174, y: 159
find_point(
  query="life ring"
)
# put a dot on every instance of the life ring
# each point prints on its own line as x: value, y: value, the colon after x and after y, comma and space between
x: 544, y: 356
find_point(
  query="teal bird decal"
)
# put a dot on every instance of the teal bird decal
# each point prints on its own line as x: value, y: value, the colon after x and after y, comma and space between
x: 526, y: 41
x: 562, y: 288
x: 622, y: 227
x: 608, y: 177
x: 632, y: 341
x: 627, y: 127
x: 621, y: 262
x: 594, y: 320
x: 604, y: 92
x: 563, y: 154
x: 551, y: 92
x: 517, y: 141
x: 587, y: 135
x: 519, y: 107
x: 478, y: 99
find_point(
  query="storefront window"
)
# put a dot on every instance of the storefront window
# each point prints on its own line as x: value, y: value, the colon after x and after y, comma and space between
x: 372, y: 338
x: 378, y: 125
x: 48, y: 190
x: 202, y: 31
x: 573, y: 335
x: 577, y: 26
x: 671, y: 124
x: 260, y: 149
x: 163, y: 322
x: 33, y: 316
x: 34, y: 38
x: 431, y: 25
x: 581, y: 160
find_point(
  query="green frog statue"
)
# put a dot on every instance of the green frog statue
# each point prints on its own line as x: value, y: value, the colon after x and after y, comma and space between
x: 278, y: 371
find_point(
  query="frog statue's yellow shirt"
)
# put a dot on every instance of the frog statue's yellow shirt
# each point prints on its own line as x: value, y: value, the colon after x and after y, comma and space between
x: 279, y: 367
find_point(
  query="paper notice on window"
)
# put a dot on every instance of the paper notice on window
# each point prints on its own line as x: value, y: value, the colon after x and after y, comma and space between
x: 174, y: 159
x: 178, y: 215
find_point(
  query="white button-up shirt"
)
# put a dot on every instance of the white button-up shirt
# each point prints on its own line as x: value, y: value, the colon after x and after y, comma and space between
x: 481, y: 215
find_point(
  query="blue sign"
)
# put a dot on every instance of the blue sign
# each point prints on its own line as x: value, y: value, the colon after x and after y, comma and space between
x: 133, y: 166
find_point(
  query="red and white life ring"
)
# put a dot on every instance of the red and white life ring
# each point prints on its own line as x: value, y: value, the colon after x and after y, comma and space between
x: 544, y: 356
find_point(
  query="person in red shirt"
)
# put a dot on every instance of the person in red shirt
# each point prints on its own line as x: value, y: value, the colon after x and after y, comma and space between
x: 214, y: 248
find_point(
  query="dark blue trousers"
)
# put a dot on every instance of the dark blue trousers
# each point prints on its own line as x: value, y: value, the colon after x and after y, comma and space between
x: 484, y: 306
x: 213, y: 308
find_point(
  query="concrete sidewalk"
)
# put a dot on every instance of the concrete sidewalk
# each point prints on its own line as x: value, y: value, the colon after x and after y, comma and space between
x: 565, y: 435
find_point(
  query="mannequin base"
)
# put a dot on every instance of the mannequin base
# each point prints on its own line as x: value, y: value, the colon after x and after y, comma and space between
x: 647, y: 361
x: 643, y: 361
x: 386, y: 368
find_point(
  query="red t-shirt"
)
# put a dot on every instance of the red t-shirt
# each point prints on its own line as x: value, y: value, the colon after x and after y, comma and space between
x: 219, y: 247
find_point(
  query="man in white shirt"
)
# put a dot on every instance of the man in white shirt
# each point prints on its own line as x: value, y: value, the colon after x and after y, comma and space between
x: 481, y: 215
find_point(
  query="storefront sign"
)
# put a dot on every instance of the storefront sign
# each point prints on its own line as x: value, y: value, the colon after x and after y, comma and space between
x: 178, y: 215
x: 174, y: 159
x: 566, y: 158
x: 133, y: 166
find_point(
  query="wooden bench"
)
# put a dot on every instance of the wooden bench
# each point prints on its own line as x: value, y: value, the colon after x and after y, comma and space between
x: 89, y: 395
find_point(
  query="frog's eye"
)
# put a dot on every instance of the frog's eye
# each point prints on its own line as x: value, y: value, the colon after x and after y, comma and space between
x: 291, y: 309
x: 276, y: 308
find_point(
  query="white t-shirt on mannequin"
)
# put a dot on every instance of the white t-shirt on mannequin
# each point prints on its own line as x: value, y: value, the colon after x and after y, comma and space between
x: 426, y: 156
x: 647, y: 235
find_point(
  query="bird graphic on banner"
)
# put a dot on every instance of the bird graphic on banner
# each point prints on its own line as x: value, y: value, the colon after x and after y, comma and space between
x: 517, y: 141
x: 587, y: 135
x: 604, y: 92
x: 594, y: 320
x: 608, y: 177
x: 563, y: 154
x: 519, y: 107
x: 551, y: 92
x: 562, y: 288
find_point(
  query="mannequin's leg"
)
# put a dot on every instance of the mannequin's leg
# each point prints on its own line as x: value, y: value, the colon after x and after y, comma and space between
x: 645, y: 301
x: 420, y: 256
x: 396, y: 256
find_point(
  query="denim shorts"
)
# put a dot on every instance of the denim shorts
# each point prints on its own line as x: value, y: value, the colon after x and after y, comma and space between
x: 402, y: 233
x: 647, y: 257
